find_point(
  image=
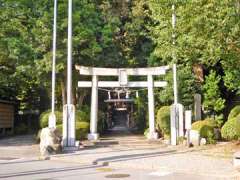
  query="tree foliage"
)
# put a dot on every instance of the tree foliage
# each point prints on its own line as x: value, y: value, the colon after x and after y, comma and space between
x: 127, y: 33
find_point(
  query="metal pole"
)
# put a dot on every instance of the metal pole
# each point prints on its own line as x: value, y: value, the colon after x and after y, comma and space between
x: 174, y: 107
x: 52, y: 118
x: 69, y: 109
x: 175, y: 84
x: 69, y: 56
x: 174, y: 55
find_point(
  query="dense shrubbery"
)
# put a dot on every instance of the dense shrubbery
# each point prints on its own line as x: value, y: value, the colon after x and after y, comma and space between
x: 81, y: 116
x: 81, y: 129
x: 163, y: 120
x: 21, y: 129
x: 140, y: 114
x: 146, y: 132
x: 231, y: 128
x: 45, y: 115
x: 82, y: 122
x: 234, y: 112
x: 102, y: 125
x: 206, y: 129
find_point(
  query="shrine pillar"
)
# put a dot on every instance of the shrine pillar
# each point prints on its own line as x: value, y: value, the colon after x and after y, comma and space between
x: 152, y: 133
x: 94, y: 110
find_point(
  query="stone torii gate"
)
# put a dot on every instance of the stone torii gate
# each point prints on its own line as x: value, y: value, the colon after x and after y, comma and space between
x: 122, y: 74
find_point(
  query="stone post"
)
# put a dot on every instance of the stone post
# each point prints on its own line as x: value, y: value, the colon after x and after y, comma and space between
x: 197, y: 107
x: 152, y: 133
x: 188, y: 124
x: 94, y: 110
x: 181, y: 120
x: 174, y: 124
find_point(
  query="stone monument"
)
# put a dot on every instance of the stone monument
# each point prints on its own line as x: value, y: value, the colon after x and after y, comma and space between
x: 197, y: 107
x: 50, y: 141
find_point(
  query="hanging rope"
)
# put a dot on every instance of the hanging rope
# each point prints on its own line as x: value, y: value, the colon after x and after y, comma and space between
x: 130, y: 91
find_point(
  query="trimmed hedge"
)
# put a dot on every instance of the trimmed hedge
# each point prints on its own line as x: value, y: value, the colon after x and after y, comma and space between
x: 199, y: 124
x: 206, y: 129
x: 234, y: 112
x: 45, y: 115
x: 231, y: 129
x: 163, y: 120
x: 81, y: 129
x: 82, y: 122
x: 81, y: 116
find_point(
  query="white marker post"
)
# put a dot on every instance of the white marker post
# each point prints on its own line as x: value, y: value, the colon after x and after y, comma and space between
x: 188, y: 124
x: 52, y: 117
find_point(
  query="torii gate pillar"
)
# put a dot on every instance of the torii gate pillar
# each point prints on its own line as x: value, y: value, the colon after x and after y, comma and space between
x: 152, y: 133
x: 94, y: 110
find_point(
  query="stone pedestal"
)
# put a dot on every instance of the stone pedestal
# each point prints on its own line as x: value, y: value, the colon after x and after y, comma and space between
x: 69, y: 126
x: 194, y: 137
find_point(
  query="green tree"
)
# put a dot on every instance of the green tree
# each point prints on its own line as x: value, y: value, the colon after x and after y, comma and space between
x: 212, y: 95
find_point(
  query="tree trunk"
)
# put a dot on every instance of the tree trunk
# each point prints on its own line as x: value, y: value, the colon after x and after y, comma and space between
x: 74, y: 98
x: 81, y: 96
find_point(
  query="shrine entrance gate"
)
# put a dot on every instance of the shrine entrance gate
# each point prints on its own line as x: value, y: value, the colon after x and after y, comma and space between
x: 123, y: 82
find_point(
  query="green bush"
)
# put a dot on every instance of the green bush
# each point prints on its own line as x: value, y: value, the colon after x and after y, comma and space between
x: 140, y: 114
x: 82, y: 116
x: 82, y: 129
x: 206, y: 129
x: 199, y: 124
x: 231, y: 129
x: 234, y: 112
x: 45, y: 115
x: 102, y: 124
x: 163, y: 120
x: 146, y: 132
x: 21, y: 129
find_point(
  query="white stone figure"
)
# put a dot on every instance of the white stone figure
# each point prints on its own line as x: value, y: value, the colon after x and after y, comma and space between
x: 50, y: 141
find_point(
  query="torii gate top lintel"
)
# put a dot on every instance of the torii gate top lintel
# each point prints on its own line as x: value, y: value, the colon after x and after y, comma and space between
x: 84, y: 70
x: 123, y: 74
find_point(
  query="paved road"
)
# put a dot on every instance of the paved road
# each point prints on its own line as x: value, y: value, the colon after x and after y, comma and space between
x: 21, y: 169
x: 131, y: 156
